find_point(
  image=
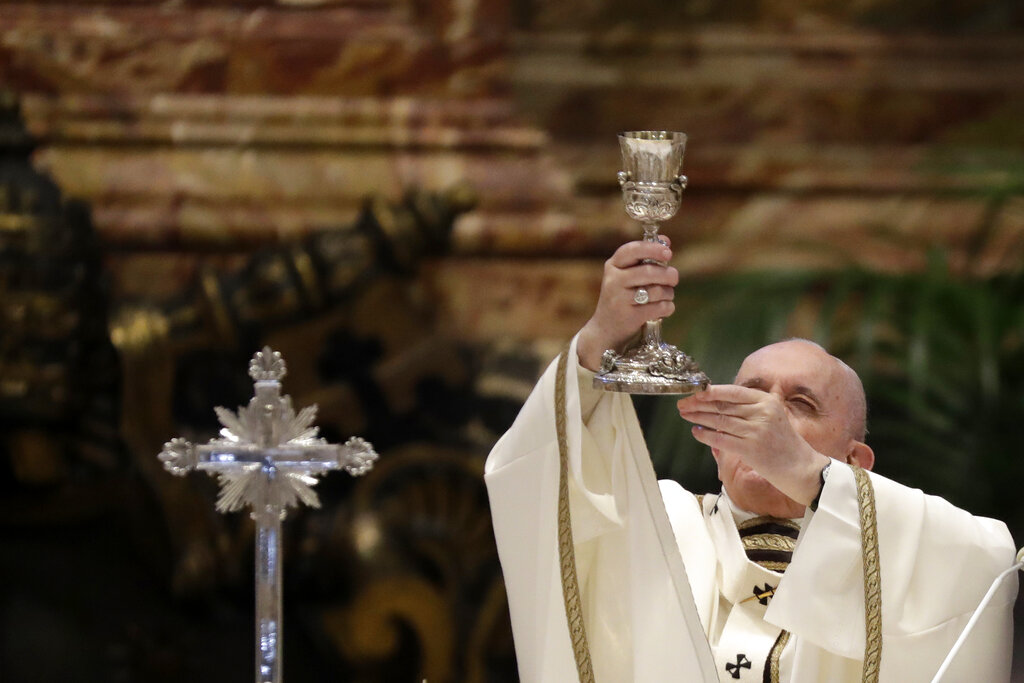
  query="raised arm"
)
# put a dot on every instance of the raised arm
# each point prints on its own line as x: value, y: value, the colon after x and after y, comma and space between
x: 628, y: 576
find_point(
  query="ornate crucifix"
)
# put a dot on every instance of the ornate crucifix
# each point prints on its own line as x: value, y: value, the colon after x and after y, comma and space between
x: 267, y: 457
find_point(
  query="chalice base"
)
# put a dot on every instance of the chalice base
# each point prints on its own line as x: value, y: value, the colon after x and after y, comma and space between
x: 652, y: 367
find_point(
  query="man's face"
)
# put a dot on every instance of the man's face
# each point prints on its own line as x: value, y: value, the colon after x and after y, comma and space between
x: 814, y: 388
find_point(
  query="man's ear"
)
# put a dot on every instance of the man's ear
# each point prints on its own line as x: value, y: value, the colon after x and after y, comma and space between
x: 861, y: 455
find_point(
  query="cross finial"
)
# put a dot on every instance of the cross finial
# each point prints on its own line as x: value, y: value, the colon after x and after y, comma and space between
x: 267, y: 365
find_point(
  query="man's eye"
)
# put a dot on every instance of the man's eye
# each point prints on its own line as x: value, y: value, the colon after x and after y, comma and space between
x: 802, y: 403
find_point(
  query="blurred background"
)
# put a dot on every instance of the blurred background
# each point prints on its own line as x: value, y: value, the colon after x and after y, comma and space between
x: 412, y: 200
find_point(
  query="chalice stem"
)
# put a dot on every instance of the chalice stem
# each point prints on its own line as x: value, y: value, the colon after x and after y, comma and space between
x: 652, y: 328
x: 268, y: 594
x: 652, y: 334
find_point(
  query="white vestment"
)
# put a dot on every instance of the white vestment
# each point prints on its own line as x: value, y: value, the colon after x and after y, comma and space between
x: 937, y: 562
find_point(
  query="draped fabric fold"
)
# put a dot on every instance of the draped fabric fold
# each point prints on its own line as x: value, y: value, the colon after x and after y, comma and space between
x: 640, y: 618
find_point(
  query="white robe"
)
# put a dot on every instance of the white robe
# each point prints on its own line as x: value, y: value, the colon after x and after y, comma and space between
x: 937, y: 562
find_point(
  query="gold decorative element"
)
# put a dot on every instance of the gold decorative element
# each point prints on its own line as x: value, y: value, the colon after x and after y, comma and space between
x: 138, y: 329
x: 872, y: 576
x: 216, y: 308
x: 769, y: 542
x: 370, y: 628
x: 306, y: 272
x: 775, y: 656
x: 566, y: 552
x: 769, y: 592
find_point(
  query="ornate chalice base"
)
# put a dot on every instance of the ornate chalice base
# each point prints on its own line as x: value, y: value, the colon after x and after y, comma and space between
x: 652, y: 367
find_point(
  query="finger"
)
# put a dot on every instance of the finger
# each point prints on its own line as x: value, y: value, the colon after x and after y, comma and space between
x: 745, y: 411
x: 653, y: 311
x: 729, y: 393
x: 726, y: 424
x: 643, y: 275
x: 719, y: 440
x: 655, y: 294
x: 632, y: 253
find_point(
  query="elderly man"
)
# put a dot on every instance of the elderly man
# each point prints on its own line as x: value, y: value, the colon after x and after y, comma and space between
x: 803, y: 568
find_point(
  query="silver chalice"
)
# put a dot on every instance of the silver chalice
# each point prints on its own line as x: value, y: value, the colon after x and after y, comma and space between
x: 652, y: 188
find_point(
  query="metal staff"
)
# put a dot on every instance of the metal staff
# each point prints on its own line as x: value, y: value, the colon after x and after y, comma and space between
x: 267, y: 457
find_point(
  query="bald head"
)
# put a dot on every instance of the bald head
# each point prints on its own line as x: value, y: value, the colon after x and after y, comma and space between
x: 840, y: 385
x: 857, y: 403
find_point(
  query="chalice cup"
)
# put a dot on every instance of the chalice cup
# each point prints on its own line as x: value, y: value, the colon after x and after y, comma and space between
x: 652, y: 188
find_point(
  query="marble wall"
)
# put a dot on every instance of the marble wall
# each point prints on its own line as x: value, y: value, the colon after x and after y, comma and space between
x: 222, y: 127
x: 820, y: 135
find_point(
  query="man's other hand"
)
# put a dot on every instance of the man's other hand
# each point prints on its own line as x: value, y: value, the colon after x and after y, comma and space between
x: 753, y: 426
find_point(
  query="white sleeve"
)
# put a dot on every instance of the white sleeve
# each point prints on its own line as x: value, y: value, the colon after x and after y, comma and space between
x: 628, y: 563
x: 937, y: 562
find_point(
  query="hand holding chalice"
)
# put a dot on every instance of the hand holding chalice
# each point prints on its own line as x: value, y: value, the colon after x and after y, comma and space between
x: 652, y: 188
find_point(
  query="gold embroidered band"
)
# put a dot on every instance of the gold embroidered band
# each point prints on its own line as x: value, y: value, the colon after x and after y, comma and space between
x: 771, y: 666
x: 566, y: 551
x: 769, y: 541
x: 872, y: 576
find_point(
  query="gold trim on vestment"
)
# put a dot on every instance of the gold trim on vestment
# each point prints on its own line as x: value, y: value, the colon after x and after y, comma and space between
x: 566, y: 551
x: 769, y: 542
x: 775, y: 656
x: 872, y: 576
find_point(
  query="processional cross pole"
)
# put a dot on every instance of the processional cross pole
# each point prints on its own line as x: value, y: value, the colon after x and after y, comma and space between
x: 267, y: 457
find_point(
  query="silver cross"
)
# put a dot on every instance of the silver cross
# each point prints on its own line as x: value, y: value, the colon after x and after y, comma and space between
x: 267, y: 457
